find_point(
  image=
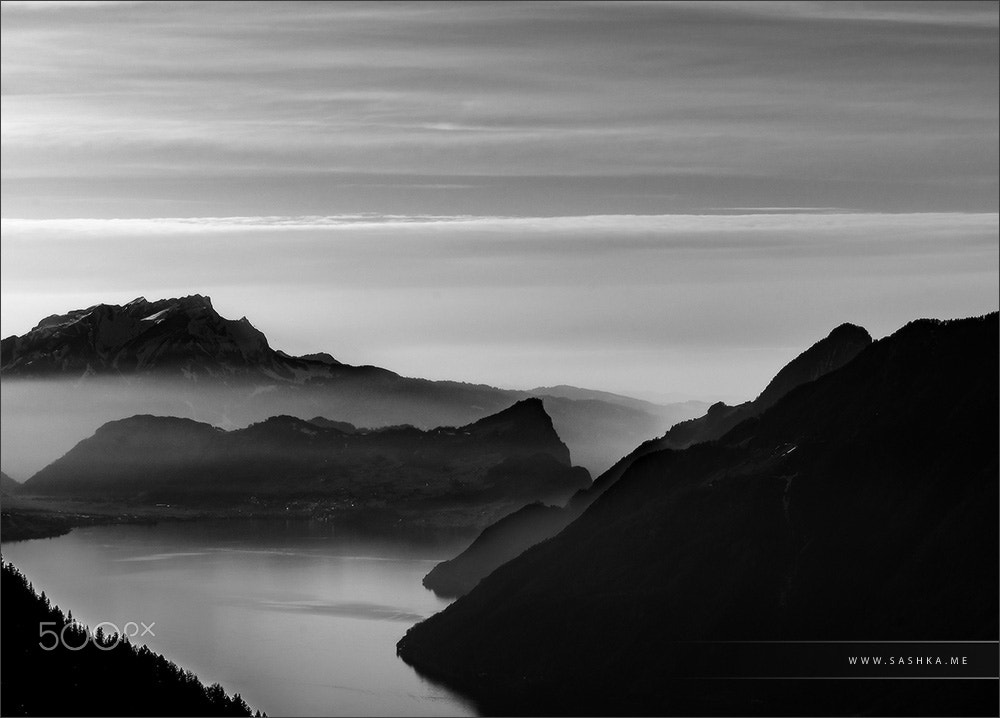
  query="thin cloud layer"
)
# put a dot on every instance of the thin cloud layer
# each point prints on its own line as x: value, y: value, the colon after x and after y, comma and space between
x: 891, y: 107
x: 709, y: 304
x: 636, y: 196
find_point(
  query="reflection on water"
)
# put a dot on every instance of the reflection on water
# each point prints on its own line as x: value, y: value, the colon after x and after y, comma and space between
x: 297, y: 618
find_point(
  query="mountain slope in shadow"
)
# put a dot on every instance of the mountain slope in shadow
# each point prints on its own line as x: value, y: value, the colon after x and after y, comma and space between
x: 523, y: 529
x: 860, y: 506
x: 828, y: 354
x: 495, y: 546
x: 513, y: 455
x: 8, y: 485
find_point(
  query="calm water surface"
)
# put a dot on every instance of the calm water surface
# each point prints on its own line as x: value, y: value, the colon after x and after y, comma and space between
x: 297, y: 618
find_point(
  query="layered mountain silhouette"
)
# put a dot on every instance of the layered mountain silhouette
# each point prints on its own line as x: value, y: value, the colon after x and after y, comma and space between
x: 495, y: 546
x: 179, y: 357
x: 828, y: 354
x: 513, y: 455
x: 860, y: 506
x: 8, y: 486
x: 523, y: 529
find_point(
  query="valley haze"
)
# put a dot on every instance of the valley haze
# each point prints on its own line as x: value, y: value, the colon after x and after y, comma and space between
x: 534, y: 358
x: 75, y: 371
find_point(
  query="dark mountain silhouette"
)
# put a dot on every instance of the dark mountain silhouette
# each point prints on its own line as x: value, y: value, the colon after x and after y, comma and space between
x: 513, y: 455
x: 828, y: 354
x: 321, y: 357
x: 512, y: 536
x: 344, y: 426
x: 180, y: 357
x: 8, y: 485
x: 839, y: 347
x: 860, y: 506
x: 48, y: 676
x: 495, y: 546
x: 184, y: 336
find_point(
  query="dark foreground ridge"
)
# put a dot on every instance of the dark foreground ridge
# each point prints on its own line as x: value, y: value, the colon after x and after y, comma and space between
x: 516, y: 533
x: 115, y: 678
x: 861, y: 506
x: 835, y: 350
x: 495, y: 546
x: 8, y: 487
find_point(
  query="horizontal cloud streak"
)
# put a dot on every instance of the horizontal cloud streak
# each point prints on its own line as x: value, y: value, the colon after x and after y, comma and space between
x: 764, y: 220
x: 903, y: 96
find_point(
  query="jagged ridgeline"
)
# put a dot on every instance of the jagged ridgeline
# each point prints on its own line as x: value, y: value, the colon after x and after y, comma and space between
x: 859, y: 506
x: 84, y: 675
x: 524, y: 528
x: 512, y: 456
x: 178, y: 357
x: 182, y: 335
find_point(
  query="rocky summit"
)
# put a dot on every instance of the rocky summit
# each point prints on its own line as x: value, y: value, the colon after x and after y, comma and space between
x: 173, y: 336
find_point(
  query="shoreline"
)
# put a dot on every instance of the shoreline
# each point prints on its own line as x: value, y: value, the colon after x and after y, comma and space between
x: 34, y: 517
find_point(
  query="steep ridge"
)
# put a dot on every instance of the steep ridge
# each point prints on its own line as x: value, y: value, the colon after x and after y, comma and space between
x: 860, y: 506
x: 8, y: 486
x: 508, y: 539
x: 513, y: 455
x: 495, y: 546
x: 838, y: 348
x: 184, y: 336
x: 828, y: 354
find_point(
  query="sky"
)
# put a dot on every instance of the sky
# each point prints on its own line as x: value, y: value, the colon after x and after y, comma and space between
x: 661, y: 199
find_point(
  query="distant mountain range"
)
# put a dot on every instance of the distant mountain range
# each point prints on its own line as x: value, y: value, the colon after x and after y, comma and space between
x: 861, y: 505
x: 523, y: 529
x: 179, y: 357
x: 575, y: 393
x: 513, y: 456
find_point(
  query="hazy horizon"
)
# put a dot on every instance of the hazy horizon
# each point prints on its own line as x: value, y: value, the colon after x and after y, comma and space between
x: 479, y: 209
x: 651, y: 199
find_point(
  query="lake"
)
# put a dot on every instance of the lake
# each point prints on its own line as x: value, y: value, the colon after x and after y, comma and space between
x: 297, y: 617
